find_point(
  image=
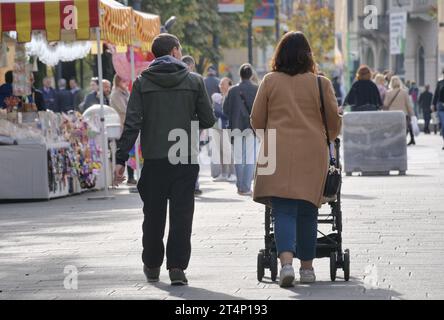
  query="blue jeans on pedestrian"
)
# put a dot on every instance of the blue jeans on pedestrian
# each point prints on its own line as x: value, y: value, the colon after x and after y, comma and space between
x: 295, y: 226
x: 441, y: 119
x: 245, y: 150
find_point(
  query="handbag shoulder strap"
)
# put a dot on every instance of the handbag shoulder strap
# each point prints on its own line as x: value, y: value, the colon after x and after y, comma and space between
x: 394, y: 98
x: 324, y: 118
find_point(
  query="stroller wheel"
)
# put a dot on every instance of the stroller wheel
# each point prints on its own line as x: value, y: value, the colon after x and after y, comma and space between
x: 260, y: 266
x: 347, y: 265
x: 333, y: 267
x: 273, y: 266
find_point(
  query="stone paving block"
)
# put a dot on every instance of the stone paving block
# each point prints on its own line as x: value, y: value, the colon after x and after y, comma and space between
x: 393, y: 226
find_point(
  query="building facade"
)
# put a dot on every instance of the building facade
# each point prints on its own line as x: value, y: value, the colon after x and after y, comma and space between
x: 396, y: 35
x: 441, y: 34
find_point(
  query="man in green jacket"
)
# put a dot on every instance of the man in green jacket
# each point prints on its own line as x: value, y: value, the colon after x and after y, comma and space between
x: 167, y: 102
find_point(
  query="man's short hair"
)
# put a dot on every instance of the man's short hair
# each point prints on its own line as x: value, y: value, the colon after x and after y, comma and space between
x: 163, y: 44
x: 211, y: 70
x: 188, y: 60
x: 62, y: 83
x: 9, y: 78
x: 246, y: 71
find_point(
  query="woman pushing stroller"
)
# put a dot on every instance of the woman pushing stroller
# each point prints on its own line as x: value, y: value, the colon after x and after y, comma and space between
x: 288, y: 101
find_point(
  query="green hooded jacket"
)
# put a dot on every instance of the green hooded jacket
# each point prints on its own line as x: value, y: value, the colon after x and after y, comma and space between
x: 165, y: 100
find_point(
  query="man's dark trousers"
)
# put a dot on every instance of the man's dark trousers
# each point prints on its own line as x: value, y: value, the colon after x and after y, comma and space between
x: 161, y: 182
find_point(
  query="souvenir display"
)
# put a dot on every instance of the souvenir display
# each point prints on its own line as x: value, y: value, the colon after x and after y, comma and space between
x: 73, y: 154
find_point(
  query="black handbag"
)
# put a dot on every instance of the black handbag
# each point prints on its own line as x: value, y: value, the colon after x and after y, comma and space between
x: 333, y: 182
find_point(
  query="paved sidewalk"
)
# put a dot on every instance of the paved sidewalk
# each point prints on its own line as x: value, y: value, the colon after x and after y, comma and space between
x: 393, y: 227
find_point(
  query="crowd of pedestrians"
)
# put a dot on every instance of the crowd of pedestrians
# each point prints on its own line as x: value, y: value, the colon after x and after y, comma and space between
x: 374, y: 91
x: 170, y: 95
x: 230, y: 115
x: 66, y: 98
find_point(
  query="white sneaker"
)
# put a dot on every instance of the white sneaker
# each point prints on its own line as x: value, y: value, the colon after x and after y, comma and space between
x: 307, y: 276
x: 232, y: 178
x: 219, y: 178
x: 286, y: 277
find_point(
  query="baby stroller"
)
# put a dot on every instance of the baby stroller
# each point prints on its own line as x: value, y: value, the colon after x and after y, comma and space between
x: 328, y: 246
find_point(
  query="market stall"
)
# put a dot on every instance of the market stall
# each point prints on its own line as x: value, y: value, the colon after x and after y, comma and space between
x: 52, y: 155
x: 76, y: 158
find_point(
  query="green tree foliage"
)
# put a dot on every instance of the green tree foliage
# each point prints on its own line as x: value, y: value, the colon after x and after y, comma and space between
x: 199, y: 24
x: 316, y: 21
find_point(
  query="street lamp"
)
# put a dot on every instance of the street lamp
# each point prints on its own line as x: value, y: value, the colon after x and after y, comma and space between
x: 168, y: 25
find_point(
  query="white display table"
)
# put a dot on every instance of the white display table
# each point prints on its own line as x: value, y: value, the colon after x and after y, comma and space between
x: 24, y: 174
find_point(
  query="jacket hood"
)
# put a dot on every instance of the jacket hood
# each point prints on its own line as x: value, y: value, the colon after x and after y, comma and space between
x: 166, y: 72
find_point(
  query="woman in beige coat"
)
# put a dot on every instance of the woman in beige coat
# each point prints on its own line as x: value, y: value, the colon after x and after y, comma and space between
x: 119, y: 101
x: 398, y: 99
x: 288, y: 101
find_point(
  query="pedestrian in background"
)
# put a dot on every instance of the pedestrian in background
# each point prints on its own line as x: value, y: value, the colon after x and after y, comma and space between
x: 414, y: 95
x: 425, y: 105
x: 212, y: 81
x: 288, y: 101
x: 222, y: 168
x: 118, y: 100
x: 166, y: 97
x: 93, y: 89
x: 64, y: 99
x: 237, y: 107
x: 438, y: 103
x: 94, y: 85
x: 49, y: 94
x: 364, y: 94
x: 397, y: 99
x: 94, y: 97
x: 337, y: 86
x: 77, y: 94
x: 6, y: 88
x: 380, y: 83
x: 191, y: 66
x: 36, y: 95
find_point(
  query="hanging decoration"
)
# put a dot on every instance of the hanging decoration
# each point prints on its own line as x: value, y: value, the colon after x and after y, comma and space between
x: 51, y: 53
x: 122, y: 62
x: 22, y: 72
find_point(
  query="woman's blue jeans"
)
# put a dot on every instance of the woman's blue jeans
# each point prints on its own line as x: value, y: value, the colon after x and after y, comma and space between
x: 296, y: 224
x: 441, y: 120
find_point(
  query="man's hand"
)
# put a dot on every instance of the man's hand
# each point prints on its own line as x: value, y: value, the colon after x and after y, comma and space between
x: 119, y: 174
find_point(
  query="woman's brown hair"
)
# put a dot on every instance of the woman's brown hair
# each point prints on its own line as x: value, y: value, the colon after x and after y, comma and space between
x: 364, y: 73
x: 293, y: 55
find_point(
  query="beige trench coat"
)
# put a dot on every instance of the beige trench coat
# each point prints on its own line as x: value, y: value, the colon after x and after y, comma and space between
x: 291, y: 106
x: 399, y: 100
x: 119, y: 101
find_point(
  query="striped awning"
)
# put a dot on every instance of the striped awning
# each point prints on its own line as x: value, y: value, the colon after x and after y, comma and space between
x: 53, y: 16
x: 120, y: 25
